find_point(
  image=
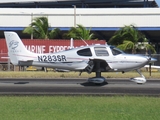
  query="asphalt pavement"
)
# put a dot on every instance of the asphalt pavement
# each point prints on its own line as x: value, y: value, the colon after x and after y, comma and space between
x: 77, y: 87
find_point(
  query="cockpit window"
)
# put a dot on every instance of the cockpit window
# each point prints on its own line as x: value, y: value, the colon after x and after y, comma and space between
x: 101, y: 51
x: 116, y: 51
x: 84, y: 52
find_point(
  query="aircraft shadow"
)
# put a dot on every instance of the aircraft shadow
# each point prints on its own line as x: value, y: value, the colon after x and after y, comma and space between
x: 21, y: 82
x: 93, y: 84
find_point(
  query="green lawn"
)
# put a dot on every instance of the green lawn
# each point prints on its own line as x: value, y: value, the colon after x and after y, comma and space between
x: 79, y: 108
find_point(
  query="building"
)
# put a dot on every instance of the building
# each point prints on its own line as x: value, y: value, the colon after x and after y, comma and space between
x: 15, y: 12
x: 78, y: 3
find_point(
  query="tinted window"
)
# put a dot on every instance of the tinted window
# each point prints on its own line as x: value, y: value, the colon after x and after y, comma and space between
x: 101, y: 51
x: 84, y: 52
x: 116, y: 51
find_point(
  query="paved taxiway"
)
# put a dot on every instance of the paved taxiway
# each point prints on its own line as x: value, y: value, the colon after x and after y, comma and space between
x: 77, y: 87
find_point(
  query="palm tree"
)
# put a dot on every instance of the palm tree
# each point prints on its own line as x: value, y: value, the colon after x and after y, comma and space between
x: 129, y: 38
x: 40, y: 29
x: 79, y: 32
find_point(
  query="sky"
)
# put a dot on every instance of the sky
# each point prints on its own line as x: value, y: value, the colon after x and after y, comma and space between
x: 158, y: 2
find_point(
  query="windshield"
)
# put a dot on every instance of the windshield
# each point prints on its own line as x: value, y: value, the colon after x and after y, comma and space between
x: 116, y: 51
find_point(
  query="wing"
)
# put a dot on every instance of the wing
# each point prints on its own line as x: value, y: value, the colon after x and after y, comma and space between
x: 95, y: 65
x: 152, y: 66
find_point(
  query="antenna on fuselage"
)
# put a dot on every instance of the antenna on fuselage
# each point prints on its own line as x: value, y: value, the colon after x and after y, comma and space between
x: 71, y: 44
x: 84, y: 41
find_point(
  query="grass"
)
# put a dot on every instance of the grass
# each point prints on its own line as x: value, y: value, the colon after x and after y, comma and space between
x: 79, y: 108
x: 51, y: 74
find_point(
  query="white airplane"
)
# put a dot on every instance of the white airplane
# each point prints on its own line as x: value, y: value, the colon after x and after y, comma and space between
x: 153, y: 66
x: 94, y: 58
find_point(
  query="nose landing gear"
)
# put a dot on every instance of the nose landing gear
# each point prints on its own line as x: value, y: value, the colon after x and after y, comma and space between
x: 139, y: 80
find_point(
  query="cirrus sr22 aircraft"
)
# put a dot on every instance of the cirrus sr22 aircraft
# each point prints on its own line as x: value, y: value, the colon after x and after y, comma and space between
x: 93, y: 58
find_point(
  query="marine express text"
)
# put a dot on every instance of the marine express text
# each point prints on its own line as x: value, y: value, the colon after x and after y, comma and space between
x: 52, y: 58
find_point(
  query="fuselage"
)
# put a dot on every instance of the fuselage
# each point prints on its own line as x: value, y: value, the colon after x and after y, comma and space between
x: 78, y: 58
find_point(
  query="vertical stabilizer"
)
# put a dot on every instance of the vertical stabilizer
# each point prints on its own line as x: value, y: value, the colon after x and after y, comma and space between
x: 16, y: 49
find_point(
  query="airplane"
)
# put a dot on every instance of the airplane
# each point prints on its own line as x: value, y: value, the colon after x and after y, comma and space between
x: 153, y: 66
x: 90, y: 58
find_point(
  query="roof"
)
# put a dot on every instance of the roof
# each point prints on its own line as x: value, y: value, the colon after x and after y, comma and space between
x: 78, y: 3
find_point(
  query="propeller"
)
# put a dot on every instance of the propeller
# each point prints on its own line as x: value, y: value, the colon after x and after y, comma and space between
x: 151, y: 60
x: 150, y: 68
x: 150, y: 71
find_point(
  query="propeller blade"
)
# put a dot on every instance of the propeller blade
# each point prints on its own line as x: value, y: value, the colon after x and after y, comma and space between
x: 151, y: 61
x: 150, y: 69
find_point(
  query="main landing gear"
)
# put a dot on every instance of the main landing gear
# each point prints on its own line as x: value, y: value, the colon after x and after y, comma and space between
x: 98, y: 79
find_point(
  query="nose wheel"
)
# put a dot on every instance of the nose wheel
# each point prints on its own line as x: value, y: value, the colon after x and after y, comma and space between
x: 139, y: 80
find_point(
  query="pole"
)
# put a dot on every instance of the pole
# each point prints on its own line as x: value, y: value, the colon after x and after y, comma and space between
x: 74, y: 15
x: 31, y: 22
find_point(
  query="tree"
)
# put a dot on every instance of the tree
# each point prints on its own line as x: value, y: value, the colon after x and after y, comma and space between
x: 79, y: 32
x: 129, y: 38
x: 40, y: 29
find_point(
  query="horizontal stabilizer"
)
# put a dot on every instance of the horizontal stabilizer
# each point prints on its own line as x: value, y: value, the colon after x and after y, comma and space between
x: 25, y: 63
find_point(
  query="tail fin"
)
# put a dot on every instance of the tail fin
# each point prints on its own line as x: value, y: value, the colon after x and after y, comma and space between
x: 16, y: 49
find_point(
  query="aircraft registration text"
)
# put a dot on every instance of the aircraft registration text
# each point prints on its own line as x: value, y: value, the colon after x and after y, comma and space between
x: 52, y: 58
